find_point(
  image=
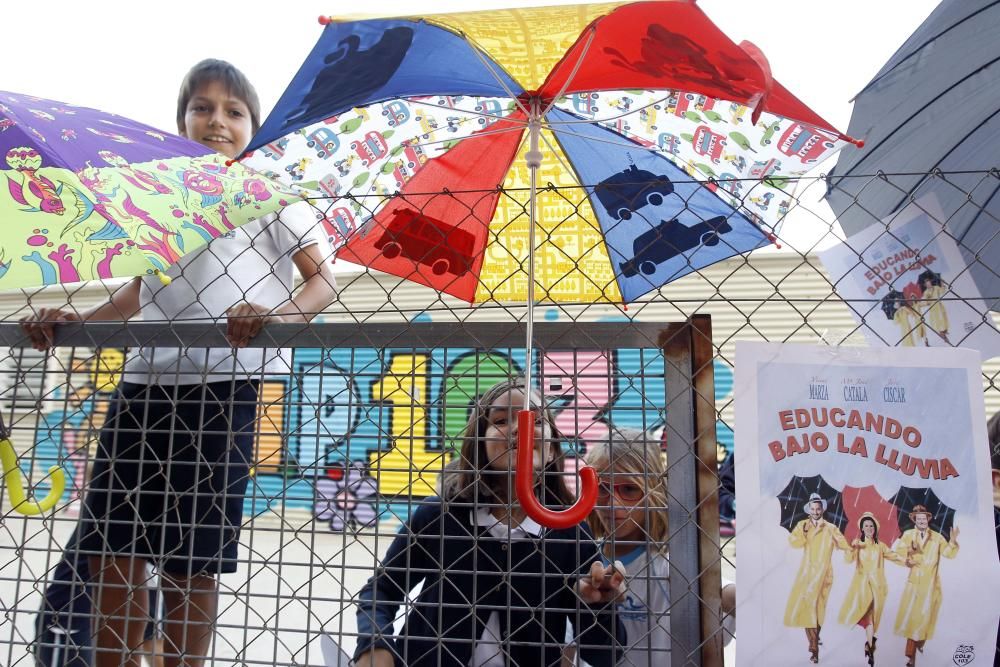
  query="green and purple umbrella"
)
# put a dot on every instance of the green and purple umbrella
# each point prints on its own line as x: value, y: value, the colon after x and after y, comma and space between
x: 88, y: 195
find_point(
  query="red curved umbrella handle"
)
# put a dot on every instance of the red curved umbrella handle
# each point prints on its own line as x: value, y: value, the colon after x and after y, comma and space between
x: 524, y: 482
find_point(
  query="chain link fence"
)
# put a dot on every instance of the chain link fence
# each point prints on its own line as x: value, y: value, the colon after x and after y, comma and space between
x: 352, y: 437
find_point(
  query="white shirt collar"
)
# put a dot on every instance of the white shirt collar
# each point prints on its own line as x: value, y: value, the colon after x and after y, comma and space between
x: 482, y: 518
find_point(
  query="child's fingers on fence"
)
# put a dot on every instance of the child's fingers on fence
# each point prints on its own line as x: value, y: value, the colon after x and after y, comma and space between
x: 243, y: 322
x: 40, y: 327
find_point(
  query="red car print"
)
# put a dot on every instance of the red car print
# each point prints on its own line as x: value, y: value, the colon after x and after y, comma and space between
x: 434, y: 243
x: 708, y: 143
x: 401, y: 174
x: 372, y: 148
x: 805, y: 142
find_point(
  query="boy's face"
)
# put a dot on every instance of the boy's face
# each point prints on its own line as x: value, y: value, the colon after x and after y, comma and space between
x: 217, y: 120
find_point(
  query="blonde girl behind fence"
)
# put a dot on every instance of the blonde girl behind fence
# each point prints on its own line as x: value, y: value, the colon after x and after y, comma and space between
x: 630, y: 524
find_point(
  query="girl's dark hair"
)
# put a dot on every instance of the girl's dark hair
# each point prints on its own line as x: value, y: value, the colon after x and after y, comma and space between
x: 861, y: 525
x: 235, y: 81
x: 463, y: 480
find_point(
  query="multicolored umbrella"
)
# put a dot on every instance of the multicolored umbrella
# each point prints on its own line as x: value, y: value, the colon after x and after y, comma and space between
x: 663, y: 146
x: 88, y: 195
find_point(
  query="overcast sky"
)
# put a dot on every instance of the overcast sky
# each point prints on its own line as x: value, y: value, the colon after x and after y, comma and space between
x: 129, y: 57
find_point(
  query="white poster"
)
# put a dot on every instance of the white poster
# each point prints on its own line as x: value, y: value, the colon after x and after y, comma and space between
x: 866, y: 513
x: 907, y: 284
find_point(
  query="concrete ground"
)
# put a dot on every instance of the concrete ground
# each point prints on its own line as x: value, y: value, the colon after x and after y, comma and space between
x: 296, y: 581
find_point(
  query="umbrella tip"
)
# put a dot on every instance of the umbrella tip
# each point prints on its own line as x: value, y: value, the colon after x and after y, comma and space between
x: 164, y: 278
x: 324, y: 20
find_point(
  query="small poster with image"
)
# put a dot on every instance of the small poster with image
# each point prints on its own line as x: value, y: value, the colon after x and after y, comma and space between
x: 863, y: 481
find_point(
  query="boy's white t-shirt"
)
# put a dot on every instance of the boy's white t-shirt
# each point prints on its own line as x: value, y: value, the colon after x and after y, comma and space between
x: 252, y: 263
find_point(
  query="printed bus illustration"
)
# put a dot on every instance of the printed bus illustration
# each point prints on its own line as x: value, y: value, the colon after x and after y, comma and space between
x: 339, y: 224
x: 805, y: 142
x: 324, y: 141
x: 669, y: 143
x: 585, y: 104
x: 276, y: 149
x: 434, y: 243
x: 629, y: 190
x: 763, y: 169
x: 708, y: 143
x: 330, y: 185
x: 678, y: 103
x: 427, y: 124
x: 372, y: 148
x: 397, y: 113
x: 669, y: 239
x: 490, y: 108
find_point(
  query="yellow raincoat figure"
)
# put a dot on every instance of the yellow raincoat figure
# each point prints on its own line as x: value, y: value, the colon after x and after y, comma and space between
x: 866, y: 597
x: 922, y: 550
x: 806, y: 606
x: 932, y: 307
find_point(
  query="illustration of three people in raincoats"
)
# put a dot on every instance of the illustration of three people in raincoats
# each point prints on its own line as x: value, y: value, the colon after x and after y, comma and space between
x: 920, y: 549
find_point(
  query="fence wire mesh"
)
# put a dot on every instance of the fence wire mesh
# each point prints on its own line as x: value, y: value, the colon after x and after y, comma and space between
x: 350, y: 437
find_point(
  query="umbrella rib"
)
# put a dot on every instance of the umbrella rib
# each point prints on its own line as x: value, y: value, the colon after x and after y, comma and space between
x: 471, y: 136
x: 410, y: 100
x: 503, y: 84
x: 942, y: 159
x: 572, y: 74
x: 871, y: 150
x: 610, y: 118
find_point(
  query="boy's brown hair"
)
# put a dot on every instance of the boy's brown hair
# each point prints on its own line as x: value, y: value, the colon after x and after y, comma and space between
x: 235, y: 81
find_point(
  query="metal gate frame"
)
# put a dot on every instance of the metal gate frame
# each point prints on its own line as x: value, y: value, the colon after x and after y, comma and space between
x: 696, y: 638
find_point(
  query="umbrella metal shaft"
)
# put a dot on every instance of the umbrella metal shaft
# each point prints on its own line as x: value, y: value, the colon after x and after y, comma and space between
x: 534, y: 159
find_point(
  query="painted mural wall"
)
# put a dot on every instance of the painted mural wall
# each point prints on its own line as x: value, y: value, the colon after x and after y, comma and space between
x: 354, y: 433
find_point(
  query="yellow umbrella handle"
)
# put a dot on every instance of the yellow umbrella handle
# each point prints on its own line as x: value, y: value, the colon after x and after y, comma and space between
x: 15, y: 489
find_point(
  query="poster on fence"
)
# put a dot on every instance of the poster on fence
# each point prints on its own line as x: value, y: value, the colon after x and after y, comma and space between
x: 908, y: 285
x: 864, y: 495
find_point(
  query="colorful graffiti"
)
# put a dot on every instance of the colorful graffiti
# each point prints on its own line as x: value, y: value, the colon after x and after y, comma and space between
x: 354, y: 433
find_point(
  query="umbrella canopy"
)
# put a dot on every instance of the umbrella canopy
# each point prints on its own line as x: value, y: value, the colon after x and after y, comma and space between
x: 857, y: 501
x: 942, y: 516
x: 638, y: 118
x: 88, y: 195
x: 796, y: 494
x: 932, y: 108
x: 458, y: 115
